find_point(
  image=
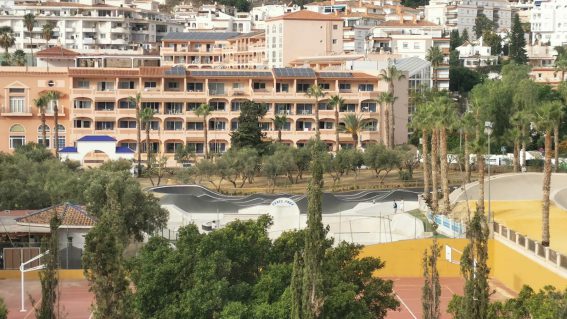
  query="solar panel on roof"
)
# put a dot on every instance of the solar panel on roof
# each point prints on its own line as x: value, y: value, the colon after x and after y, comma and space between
x: 294, y: 72
x: 176, y: 70
x: 231, y: 73
x: 335, y: 75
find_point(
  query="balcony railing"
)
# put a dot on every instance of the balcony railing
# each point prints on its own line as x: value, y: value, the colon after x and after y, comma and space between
x: 7, y: 111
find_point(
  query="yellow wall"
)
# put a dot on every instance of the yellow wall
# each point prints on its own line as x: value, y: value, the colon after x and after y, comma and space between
x: 64, y: 274
x: 404, y: 258
x: 515, y: 270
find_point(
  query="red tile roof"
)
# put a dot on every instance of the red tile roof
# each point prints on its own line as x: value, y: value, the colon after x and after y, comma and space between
x: 57, y: 51
x: 14, y: 213
x: 306, y: 15
x: 70, y: 215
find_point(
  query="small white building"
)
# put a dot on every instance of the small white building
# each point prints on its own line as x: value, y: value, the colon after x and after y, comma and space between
x: 96, y: 149
x: 548, y: 23
x: 474, y: 54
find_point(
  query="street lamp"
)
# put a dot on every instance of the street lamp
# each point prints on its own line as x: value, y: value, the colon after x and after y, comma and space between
x: 488, y: 131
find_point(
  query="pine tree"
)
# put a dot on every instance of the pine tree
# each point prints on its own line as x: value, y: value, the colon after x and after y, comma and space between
x: 312, y: 302
x: 431, y: 291
x: 465, y: 36
x: 517, y: 51
x: 455, y: 40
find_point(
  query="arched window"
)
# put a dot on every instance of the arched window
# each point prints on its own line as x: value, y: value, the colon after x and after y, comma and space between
x: 17, y: 136
x: 40, y: 131
x: 60, y: 128
x: 17, y: 128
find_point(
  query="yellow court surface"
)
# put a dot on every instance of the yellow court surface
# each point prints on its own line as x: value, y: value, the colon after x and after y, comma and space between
x: 524, y: 217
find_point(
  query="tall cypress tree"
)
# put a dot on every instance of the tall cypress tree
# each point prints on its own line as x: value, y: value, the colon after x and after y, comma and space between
x: 49, y: 276
x: 517, y: 51
x: 313, y: 299
x: 465, y: 35
x: 431, y: 291
x: 296, y: 282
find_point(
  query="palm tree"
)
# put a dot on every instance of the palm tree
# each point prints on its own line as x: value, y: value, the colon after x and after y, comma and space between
x: 391, y: 75
x: 279, y: 123
x: 29, y: 22
x: 444, y: 117
x: 137, y: 101
x: 53, y: 97
x: 435, y: 57
x: 546, y: 120
x: 386, y: 101
x: 146, y: 117
x: 7, y: 40
x: 316, y: 92
x: 421, y: 121
x: 337, y: 102
x: 204, y: 110
x: 47, y: 32
x: 41, y: 104
x: 353, y: 126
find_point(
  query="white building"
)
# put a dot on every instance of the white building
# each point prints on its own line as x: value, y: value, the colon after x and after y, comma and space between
x: 548, y: 22
x: 95, y: 149
x: 474, y: 54
x: 212, y: 17
x: 89, y: 25
x: 262, y: 13
x: 461, y: 14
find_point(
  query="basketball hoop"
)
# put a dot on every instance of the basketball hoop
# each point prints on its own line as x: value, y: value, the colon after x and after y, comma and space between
x: 23, y: 270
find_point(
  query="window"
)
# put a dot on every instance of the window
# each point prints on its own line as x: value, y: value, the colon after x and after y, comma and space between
x: 235, y: 106
x: 172, y: 147
x: 216, y: 125
x: 150, y: 85
x: 348, y: 108
x: 173, y: 108
x: 198, y: 148
x: 195, y: 87
x: 127, y: 124
x: 217, y: 106
x: 325, y: 106
x: 334, y: 41
x: 17, y: 90
x: 344, y: 87
x: 154, y: 147
x: 416, y: 45
x: 61, y: 140
x: 282, y: 87
x: 365, y: 87
x: 194, y: 126
x: 172, y: 85
x: 405, y: 45
x: 126, y: 104
x: 104, y: 106
x: 130, y: 145
x: 105, y: 86
x: 303, y: 126
x: 153, y: 105
x: 82, y: 104
x: 216, y: 88
x: 237, y: 85
x: 82, y: 84
x: 326, y: 125
x: 47, y: 140
x: 265, y: 126
x: 192, y: 106
x: 17, y: 104
x: 82, y: 124
x: 126, y: 85
x: 304, y: 109
x: 154, y: 125
x: 325, y: 86
x: 259, y: 86
x: 17, y: 141
x: 371, y: 126
x: 104, y: 125
x: 302, y: 87
x: 173, y: 125
x: 368, y: 107
x: 216, y: 147
x: 335, y: 26
x: 281, y: 108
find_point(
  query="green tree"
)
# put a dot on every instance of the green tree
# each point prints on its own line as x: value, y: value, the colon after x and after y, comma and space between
x: 19, y: 58
x: 48, y: 309
x: 546, y: 119
x: 337, y: 103
x: 47, y: 32
x: 386, y: 101
x: 465, y: 36
x: 53, y: 98
x: 279, y: 124
x: 353, y: 125
x: 454, y: 60
x: 475, y: 302
x: 493, y: 40
x: 3, y: 309
x: 391, y: 75
x: 137, y: 102
x: 421, y: 120
x: 249, y: 133
x: 381, y: 159
x: 517, y: 50
x: 462, y: 79
x: 431, y: 291
x: 41, y: 104
x: 315, y: 92
x: 29, y: 23
x: 146, y: 117
x: 482, y: 25
x: 205, y: 110
x: 455, y: 40
x: 296, y: 287
x: 435, y: 57
x: 7, y: 40
x: 184, y: 153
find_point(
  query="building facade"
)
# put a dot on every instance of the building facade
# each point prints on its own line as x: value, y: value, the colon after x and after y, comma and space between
x: 95, y: 102
x: 548, y: 25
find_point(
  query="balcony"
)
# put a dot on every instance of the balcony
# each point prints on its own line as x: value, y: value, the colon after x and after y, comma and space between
x: 6, y: 111
x: 89, y: 29
x: 82, y: 91
x: 89, y: 41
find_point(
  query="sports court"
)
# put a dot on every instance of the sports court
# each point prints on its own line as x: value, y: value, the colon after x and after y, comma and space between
x: 408, y: 292
x: 75, y: 302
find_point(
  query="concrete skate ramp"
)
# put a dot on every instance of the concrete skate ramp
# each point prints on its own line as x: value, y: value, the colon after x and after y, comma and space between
x: 560, y: 198
x: 518, y: 186
x: 197, y: 199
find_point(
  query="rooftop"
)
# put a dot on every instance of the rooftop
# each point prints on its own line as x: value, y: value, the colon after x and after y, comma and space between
x: 406, y: 23
x: 96, y: 138
x: 200, y: 36
x: 306, y: 15
x: 57, y: 51
x: 70, y: 215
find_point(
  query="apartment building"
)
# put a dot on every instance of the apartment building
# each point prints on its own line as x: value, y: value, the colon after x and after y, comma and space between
x: 227, y: 50
x: 302, y: 33
x: 88, y: 25
x: 475, y: 54
x: 95, y: 102
x: 548, y: 25
x: 461, y: 14
x: 212, y: 17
